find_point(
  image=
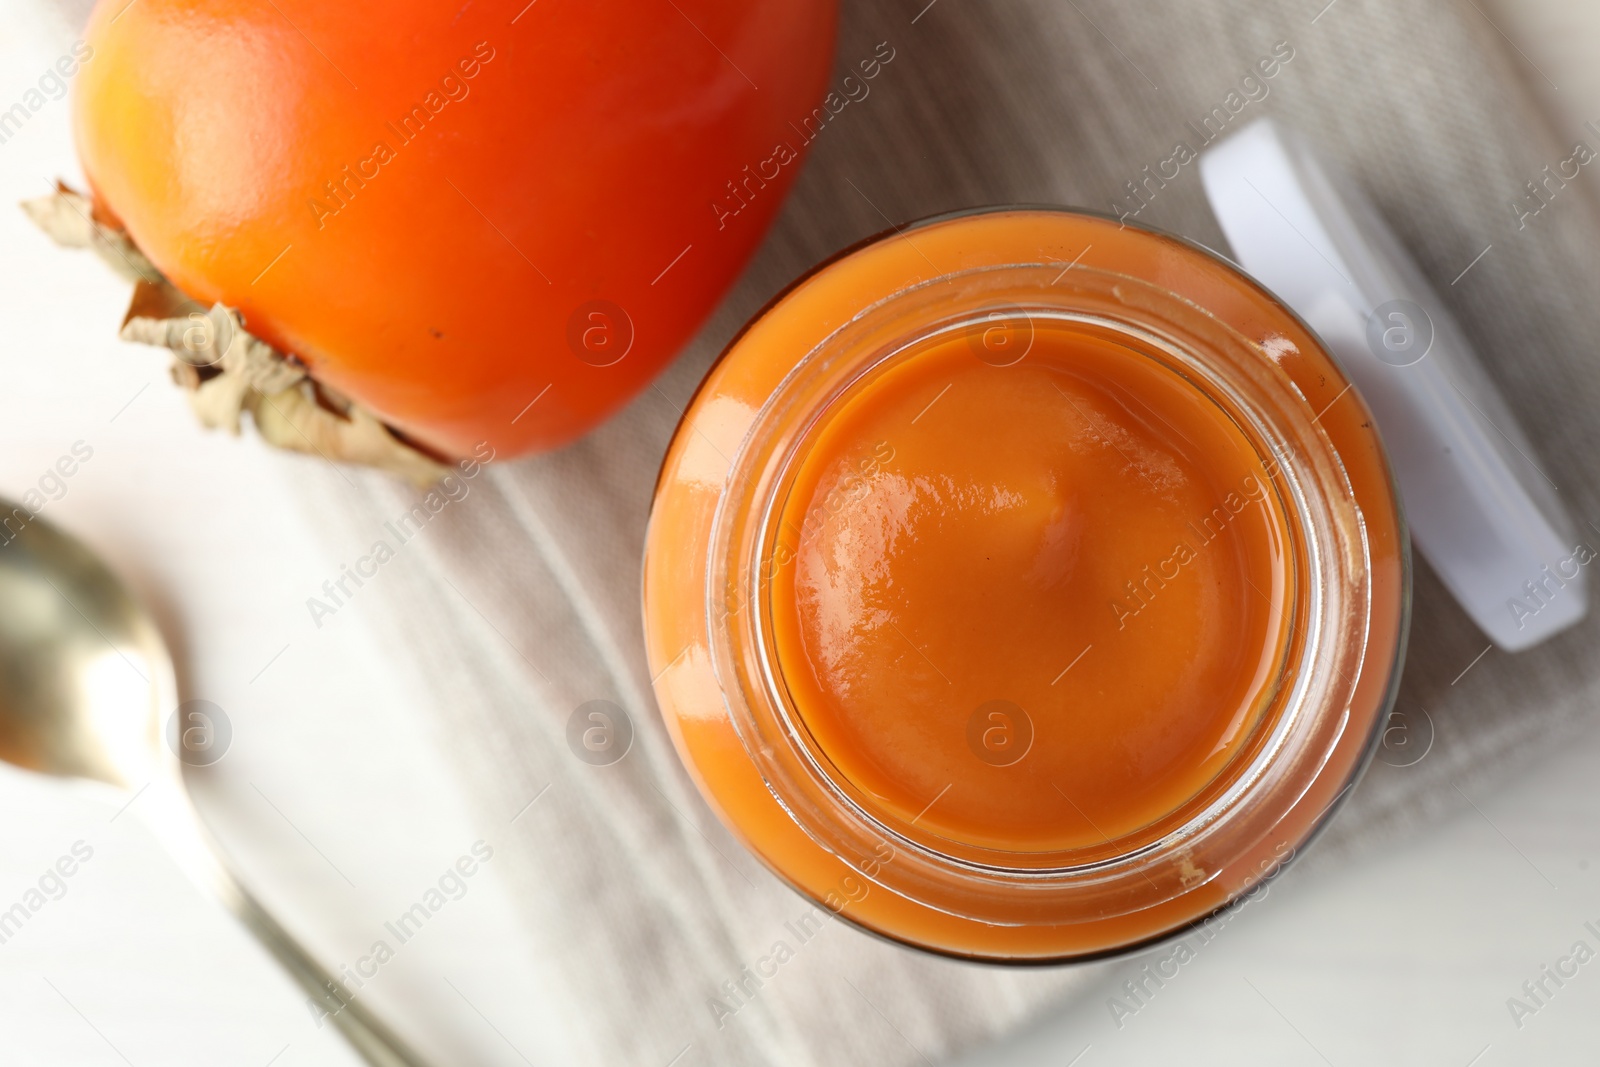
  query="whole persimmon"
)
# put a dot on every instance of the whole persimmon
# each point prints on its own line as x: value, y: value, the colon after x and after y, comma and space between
x: 481, y: 220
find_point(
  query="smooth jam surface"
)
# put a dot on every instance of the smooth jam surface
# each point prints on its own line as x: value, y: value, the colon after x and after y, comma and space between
x: 1032, y: 607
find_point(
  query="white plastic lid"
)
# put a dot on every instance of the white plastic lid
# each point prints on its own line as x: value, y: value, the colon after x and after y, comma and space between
x: 1480, y: 509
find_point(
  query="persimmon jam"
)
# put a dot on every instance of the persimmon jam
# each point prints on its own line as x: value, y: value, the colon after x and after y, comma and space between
x: 1025, y: 587
x: 1034, y: 606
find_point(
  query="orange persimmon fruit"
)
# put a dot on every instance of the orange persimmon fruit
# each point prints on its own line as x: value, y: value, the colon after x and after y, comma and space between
x: 483, y: 221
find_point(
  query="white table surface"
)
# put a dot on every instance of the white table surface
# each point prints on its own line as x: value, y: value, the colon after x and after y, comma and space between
x: 338, y: 811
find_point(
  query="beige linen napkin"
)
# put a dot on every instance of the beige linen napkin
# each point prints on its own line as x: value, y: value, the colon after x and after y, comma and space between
x: 520, y: 602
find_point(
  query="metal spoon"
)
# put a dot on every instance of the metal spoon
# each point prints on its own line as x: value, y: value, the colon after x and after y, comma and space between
x: 85, y: 683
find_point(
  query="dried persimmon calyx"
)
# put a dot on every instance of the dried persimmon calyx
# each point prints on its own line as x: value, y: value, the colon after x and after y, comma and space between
x: 67, y: 216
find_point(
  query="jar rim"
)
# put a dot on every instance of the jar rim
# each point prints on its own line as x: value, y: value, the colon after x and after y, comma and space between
x: 770, y: 732
x: 1132, y: 845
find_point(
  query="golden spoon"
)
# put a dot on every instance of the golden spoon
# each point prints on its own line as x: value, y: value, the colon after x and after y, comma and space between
x: 85, y: 679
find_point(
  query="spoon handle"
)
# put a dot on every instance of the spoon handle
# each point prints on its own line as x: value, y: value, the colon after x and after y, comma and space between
x: 367, y: 1034
x: 169, y: 812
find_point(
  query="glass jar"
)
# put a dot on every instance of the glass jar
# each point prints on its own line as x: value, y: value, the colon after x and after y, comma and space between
x: 723, y: 550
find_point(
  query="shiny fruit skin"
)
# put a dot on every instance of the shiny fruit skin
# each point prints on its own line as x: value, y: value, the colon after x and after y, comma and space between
x: 552, y: 187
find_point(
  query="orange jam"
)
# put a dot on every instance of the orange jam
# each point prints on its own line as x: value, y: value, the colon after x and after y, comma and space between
x: 1023, y: 586
x: 1033, y: 606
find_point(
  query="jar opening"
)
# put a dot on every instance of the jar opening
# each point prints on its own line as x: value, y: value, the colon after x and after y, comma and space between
x: 1035, y: 590
x: 1100, y: 344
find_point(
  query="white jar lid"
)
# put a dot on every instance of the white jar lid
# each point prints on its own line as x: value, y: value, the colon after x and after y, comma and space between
x: 1480, y: 509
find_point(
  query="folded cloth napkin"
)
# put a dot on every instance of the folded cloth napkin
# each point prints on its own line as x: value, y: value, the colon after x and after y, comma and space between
x: 521, y: 601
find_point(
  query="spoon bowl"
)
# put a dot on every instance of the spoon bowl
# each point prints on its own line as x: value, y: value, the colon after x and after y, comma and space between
x: 84, y: 673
